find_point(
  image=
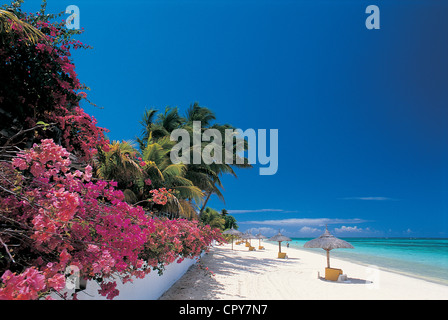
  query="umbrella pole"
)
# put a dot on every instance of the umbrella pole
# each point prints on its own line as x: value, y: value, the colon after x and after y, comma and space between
x: 232, y: 242
x: 328, y: 258
x: 279, y: 247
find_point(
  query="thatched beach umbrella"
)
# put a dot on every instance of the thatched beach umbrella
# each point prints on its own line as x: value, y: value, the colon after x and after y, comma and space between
x: 279, y: 238
x: 259, y: 237
x: 233, y: 233
x: 248, y: 236
x: 327, y: 242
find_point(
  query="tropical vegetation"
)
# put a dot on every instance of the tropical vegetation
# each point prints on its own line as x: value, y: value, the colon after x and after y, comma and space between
x: 69, y: 197
x: 147, y: 164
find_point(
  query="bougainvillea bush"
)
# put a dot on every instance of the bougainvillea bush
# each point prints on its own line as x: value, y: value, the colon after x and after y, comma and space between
x: 53, y: 217
x: 56, y: 216
x: 39, y: 85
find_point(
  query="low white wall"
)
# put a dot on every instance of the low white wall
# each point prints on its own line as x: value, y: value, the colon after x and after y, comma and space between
x: 149, y: 288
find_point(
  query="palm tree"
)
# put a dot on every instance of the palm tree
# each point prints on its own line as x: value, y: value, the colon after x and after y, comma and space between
x: 155, y: 146
x: 119, y: 164
x: 212, y: 218
x: 165, y: 174
x: 207, y: 176
x: 158, y: 126
x: 198, y: 113
x: 230, y: 222
x: 222, y: 168
x: 167, y: 122
x: 147, y: 122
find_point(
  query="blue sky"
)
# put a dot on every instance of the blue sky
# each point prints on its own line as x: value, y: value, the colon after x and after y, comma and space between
x: 362, y: 114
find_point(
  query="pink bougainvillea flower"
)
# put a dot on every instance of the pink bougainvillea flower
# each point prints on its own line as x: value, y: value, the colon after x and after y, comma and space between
x: 86, y: 226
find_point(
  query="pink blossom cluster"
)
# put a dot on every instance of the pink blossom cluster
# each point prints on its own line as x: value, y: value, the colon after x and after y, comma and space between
x: 28, y: 284
x: 60, y: 218
x: 175, y: 240
x: 160, y: 196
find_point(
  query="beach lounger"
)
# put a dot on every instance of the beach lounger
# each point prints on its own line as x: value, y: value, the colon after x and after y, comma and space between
x: 332, y: 274
x: 251, y: 248
x: 282, y: 255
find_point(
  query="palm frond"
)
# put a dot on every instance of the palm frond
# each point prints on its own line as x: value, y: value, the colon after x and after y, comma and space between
x: 153, y: 152
x: 174, y: 170
x: 189, y: 209
x: 169, y: 120
x: 118, y: 163
x: 10, y: 23
x: 153, y: 171
x: 198, y: 113
x: 190, y: 192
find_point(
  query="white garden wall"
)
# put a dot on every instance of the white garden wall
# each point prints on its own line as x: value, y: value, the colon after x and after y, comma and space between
x: 149, y: 288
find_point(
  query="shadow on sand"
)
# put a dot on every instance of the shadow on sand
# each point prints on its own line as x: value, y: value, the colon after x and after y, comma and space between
x: 184, y: 289
x: 348, y: 281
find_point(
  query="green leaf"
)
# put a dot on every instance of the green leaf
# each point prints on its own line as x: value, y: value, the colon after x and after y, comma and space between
x: 41, y: 123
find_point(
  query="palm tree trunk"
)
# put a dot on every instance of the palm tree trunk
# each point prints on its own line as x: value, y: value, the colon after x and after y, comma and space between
x: 205, y: 203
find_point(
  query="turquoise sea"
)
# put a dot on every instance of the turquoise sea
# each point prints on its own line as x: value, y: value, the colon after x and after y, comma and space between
x: 425, y: 258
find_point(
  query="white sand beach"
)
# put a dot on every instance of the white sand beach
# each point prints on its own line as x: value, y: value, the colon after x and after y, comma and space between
x: 257, y: 275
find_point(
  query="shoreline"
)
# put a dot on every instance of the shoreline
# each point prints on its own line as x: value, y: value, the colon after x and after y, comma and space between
x: 381, y: 262
x: 258, y: 275
x: 385, y: 268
